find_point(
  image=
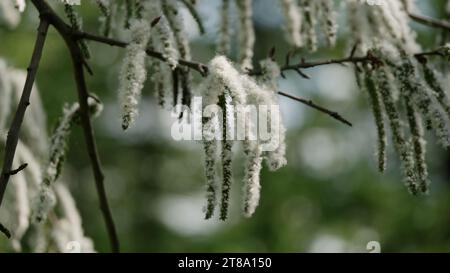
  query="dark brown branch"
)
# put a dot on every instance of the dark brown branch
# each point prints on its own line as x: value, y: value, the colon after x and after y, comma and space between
x: 16, y: 171
x: 13, y: 133
x: 201, y: 68
x: 83, y: 96
x: 428, y: 21
x: 78, y: 61
x: 195, y: 15
x: 303, y: 64
x: 310, y: 103
x: 5, y: 231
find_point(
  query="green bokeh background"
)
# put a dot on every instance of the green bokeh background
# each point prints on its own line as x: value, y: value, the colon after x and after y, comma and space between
x: 329, y: 197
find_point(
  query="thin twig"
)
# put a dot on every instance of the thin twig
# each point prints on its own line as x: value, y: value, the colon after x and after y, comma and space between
x: 432, y: 22
x: 310, y: 103
x: 16, y: 171
x: 83, y: 96
x: 304, y: 64
x: 201, y: 68
x: 195, y: 15
x: 13, y: 133
x: 5, y: 231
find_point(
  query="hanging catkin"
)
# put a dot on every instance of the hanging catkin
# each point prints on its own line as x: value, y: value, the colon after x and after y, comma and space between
x: 375, y: 102
x: 418, y: 141
x: 402, y: 146
x: 246, y: 33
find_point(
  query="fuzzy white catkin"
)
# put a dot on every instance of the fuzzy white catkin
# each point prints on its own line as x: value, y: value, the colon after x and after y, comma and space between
x: 108, y: 10
x: 20, y: 5
x: 58, y: 144
x: 172, y: 12
x: 16, y: 214
x: 33, y: 171
x: 390, y: 20
x: 22, y: 209
x: 69, y: 228
x: 224, y: 78
x: 309, y: 24
x: 9, y: 15
x: 71, y: 2
x: 246, y: 33
x: 329, y: 20
x: 252, y: 186
x: 227, y: 77
x: 434, y: 81
x: 358, y: 25
x: 252, y: 147
x: 35, y: 119
x: 401, y: 24
x: 224, y: 41
x: 163, y: 38
x: 43, y: 203
x: 26, y: 185
x: 402, y: 146
x: 210, y: 148
x: 375, y: 101
x: 5, y: 96
x: 161, y: 79
x: 227, y: 154
x: 418, y: 141
x: 210, y: 91
x: 292, y: 22
x: 412, y: 86
x: 270, y: 73
x: 133, y: 72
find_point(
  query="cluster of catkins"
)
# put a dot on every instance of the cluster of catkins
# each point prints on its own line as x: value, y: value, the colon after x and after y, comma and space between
x: 41, y: 214
x: 403, y: 88
x: 409, y: 92
x: 229, y: 88
x: 387, y: 22
x: 302, y: 18
x: 158, y: 25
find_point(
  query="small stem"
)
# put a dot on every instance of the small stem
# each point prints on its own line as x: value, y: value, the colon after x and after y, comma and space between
x: 5, y: 231
x: 16, y: 171
x: 201, y: 68
x: 310, y: 103
x: 428, y: 21
x: 83, y: 95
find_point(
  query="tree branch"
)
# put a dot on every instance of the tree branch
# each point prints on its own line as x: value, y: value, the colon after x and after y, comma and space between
x: 199, y: 67
x: 311, y: 104
x: 18, y: 170
x: 428, y: 21
x: 67, y: 33
x: 13, y: 133
x: 5, y: 231
x: 83, y: 95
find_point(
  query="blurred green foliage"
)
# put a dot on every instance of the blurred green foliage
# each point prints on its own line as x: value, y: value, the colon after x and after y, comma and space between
x: 328, y: 198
